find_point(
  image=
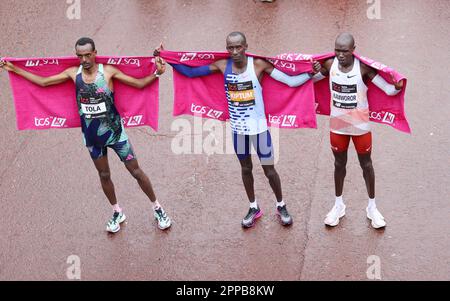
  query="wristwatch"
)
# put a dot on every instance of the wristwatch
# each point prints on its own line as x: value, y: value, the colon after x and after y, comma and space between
x: 156, y: 73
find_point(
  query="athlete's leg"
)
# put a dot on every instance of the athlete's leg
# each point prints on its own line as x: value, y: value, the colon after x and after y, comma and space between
x: 368, y: 173
x: 247, y: 177
x: 263, y: 144
x: 340, y: 171
x: 339, y: 146
x: 102, y: 166
x: 254, y: 212
x: 274, y: 181
x: 241, y: 144
x: 125, y: 151
x: 143, y: 180
x: 363, y: 145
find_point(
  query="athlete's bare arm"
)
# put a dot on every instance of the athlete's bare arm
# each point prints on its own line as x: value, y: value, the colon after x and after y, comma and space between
x: 69, y: 73
x: 218, y: 66
x: 112, y: 72
x: 262, y: 66
x: 368, y: 74
x: 326, y: 67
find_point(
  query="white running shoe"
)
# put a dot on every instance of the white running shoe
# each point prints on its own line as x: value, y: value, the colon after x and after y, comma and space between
x: 375, y: 216
x: 334, y: 215
x: 163, y: 219
x: 113, y: 225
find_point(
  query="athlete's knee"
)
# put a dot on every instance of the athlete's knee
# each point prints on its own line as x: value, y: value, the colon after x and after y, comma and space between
x: 270, y: 172
x: 247, y: 169
x: 340, y: 165
x: 366, y: 165
x: 104, y: 175
x: 137, y: 173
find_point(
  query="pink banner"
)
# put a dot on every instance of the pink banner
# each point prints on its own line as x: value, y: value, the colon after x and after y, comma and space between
x: 383, y: 109
x: 56, y: 107
x: 204, y: 96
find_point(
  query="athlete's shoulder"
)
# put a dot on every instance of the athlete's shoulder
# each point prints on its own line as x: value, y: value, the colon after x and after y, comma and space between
x: 364, y: 65
x: 219, y: 66
x: 261, y: 61
x: 220, y: 62
x: 262, y: 64
x: 72, y: 69
x: 71, y: 72
x: 328, y: 62
x: 110, y: 69
x: 366, y: 69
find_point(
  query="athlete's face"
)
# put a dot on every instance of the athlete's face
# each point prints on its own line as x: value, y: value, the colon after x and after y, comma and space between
x: 236, y: 47
x: 86, y: 55
x: 344, y: 53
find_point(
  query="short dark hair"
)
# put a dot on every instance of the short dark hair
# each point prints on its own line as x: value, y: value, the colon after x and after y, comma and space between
x: 83, y: 41
x: 346, y: 38
x: 238, y: 33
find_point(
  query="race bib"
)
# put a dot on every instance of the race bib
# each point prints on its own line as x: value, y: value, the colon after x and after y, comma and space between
x: 344, y: 96
x: 93, y: 107
x: 241, y: 94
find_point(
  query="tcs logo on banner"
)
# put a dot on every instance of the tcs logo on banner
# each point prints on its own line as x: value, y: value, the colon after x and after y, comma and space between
x: 37, y: 63
x: 384, y: 117
x: 283, y: 120
x: 132, y: 120
x: 124, y: 61
x: 203, y: 110
x: 190, y: 56
x: 54, y: 122
x: 284, y: 60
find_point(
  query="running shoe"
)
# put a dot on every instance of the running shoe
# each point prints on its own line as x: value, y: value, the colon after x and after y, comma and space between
x: 285, y: 218
x: 113, y: 224
x: 332, y: 218
x: 252, y: 215
x: 163, y: 219
x: 375, y: 216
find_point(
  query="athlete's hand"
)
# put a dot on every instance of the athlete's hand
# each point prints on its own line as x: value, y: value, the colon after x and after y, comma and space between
x: 160, y: 65
x: 316, y: 67
x: 398, y: 85
x: 8, y: 66
x: 157, y: 51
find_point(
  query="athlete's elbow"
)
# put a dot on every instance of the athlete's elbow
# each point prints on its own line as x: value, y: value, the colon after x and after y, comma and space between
x: 139, y: 85
x: 392, y: 92
x: 288, y: 83
x: 295, y: 84
x: 188, y: 74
